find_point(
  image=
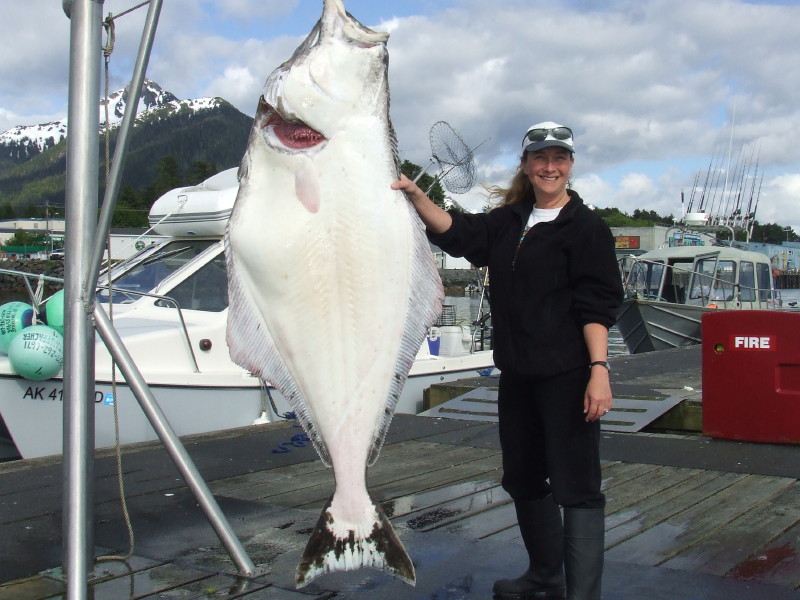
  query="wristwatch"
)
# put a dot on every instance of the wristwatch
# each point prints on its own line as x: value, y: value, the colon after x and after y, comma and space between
x: 603, y: 363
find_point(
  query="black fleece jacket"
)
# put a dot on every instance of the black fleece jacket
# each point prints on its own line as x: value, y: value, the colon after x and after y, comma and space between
x: 562, y: 276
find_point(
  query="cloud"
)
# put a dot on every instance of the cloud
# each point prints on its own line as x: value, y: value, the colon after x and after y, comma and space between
x: 652, y: 88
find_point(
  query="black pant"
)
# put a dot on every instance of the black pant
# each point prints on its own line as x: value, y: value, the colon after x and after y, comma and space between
x: 548, y: 447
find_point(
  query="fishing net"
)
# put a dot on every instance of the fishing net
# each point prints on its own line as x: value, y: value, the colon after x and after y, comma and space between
x: 453, y: 157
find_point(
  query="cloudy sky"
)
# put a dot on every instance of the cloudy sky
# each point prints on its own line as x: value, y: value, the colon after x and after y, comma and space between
x: 655, y: 90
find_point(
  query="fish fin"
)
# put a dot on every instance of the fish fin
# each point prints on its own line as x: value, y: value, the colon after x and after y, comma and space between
x: 423, y: 308
x: 251, y: 346
x: 326, y: 553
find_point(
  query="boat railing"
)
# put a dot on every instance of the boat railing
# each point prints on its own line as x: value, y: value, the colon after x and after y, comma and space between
x: 681, y: 283
x: 482, y: 333
x: 41, y: 281
x: 37, y: 299
x: 166, y: 301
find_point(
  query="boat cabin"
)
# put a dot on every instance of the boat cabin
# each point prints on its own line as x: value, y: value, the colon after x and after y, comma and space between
x: 711, y: 277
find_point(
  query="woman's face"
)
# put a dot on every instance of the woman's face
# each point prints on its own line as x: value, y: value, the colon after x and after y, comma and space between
x: 548, y: 169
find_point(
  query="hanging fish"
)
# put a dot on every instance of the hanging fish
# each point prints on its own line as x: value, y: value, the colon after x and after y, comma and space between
x: 332, y: 283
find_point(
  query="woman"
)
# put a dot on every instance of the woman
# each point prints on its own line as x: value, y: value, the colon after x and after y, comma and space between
x: 555, y: 293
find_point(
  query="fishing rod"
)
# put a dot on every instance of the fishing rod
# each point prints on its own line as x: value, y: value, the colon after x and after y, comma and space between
x: 753, y: 187
x: 728, y: 210
x: 742, y: 191
x: 755, y: 208
x: 694, y: 191
x: 715, y: 186
x: 705, y: 184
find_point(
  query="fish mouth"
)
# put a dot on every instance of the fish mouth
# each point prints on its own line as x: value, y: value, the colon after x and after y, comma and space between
x: 288, y: 135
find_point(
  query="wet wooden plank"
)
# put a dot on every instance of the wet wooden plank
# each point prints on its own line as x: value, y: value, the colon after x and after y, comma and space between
x: 731, y: 547
x: 32, y: 588
x: 288, y: 475
x: 777, y: 563
x: 140, y: 584
x: 653, y: 482
x: 218, y: 587
x: 446, y: 513
x: 424, y: 496
x: 616, y: 473
x: 311, y: 484
x: 485, y: 524
x: 641, y: 516
x: 670, y: 536
x: 318, y: 489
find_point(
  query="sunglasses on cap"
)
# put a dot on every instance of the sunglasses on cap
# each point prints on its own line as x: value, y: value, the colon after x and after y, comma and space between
x: 557, y: 133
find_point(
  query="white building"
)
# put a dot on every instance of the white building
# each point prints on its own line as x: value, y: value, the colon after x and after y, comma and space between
x: 8, y: 227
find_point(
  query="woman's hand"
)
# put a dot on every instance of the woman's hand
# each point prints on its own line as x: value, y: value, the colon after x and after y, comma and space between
x: 435, y: 218
x: 597, y: 399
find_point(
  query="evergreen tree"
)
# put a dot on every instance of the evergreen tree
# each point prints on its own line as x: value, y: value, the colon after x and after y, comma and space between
x: 201, y: 170
x: 436, y: 193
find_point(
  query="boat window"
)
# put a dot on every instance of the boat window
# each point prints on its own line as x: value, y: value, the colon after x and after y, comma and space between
x: 764, y: 281
x: 725, y: 282
x: 206, y: 289
x: 677, y: 281
x: 713, y: 280
x: 644, y: 279
x: 747, y: 281
x: 148, y: 273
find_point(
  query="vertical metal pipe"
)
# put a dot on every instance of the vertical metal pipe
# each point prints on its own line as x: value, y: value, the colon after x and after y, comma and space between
x: 80, y: 210
x: 120, y: 152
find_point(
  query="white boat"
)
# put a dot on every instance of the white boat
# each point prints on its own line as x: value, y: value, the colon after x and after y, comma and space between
x: 667, y: 291
x: 169, y: 306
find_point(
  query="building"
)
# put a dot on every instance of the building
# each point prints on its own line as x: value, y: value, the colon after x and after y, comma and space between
x: 124, y: 242
x: 445, y: 261
x: 638, y: 240
x: 52, y: 228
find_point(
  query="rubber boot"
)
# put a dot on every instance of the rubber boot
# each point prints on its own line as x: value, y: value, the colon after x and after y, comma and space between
x: 543, y: 534
x: 584, y: 539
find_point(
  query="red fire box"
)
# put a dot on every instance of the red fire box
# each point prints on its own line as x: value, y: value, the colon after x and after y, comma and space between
x: 751, y: 375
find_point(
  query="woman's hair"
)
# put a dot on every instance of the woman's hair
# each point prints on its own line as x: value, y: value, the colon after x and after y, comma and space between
x: 517, y: 192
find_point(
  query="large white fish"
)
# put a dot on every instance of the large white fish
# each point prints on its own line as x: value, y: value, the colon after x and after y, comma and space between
x: 332, y: 283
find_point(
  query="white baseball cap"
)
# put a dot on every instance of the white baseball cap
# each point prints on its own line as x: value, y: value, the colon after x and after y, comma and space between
x: 548, y: 133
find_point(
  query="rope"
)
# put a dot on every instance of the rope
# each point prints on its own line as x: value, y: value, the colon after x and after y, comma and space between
x: 299, y: 440
x: 108, y: 49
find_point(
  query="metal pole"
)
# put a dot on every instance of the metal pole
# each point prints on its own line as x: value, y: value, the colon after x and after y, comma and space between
x: 172, y: 444
x: 80, y: 209
x: 123, y: 139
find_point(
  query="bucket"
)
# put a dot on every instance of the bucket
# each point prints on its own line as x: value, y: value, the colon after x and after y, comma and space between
x: 451, y: 341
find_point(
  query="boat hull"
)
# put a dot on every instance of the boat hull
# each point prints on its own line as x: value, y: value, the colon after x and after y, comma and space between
x: 647, y: 325
x: 192, y: 403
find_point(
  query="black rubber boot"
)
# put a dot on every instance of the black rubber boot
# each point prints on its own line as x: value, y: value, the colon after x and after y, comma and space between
x: 543, y: 534
x: 584, y: 539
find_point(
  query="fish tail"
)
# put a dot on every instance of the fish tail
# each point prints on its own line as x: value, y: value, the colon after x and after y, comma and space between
x: 327, y: 552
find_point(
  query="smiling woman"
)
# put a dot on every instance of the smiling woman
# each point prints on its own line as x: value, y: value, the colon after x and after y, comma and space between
x: 555, y: 291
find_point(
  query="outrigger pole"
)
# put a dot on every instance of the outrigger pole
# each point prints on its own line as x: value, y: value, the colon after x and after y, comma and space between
x: 83, y: 254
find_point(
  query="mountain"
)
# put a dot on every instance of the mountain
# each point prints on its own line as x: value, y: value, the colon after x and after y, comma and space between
x: 211, y: 130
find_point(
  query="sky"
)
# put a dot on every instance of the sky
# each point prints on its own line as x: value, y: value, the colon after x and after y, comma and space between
x: 658, y: 92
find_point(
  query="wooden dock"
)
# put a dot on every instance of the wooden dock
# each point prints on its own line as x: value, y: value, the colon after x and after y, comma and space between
x: 687, y: 517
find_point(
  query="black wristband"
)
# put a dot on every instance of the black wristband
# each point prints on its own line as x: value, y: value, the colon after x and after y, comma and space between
x: 601, y: 362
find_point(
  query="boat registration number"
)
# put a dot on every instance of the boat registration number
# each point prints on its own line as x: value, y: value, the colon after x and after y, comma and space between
x: 56, y: 394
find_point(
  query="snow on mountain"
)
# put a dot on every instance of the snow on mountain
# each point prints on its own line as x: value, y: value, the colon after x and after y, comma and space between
x: 25, y: 141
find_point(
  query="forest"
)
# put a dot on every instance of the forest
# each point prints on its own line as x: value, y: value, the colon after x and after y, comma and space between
x: 133, y: 203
